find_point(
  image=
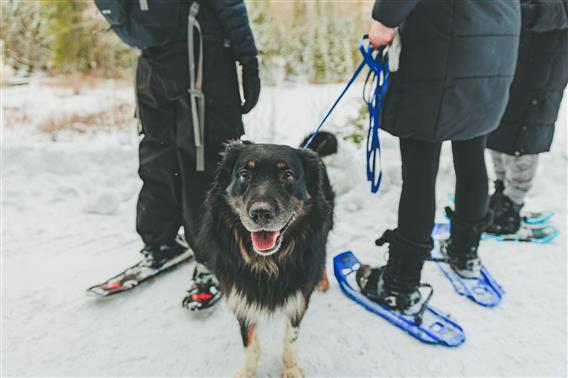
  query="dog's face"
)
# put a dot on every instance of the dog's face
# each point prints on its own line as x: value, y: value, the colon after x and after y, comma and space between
x: 268, y: 187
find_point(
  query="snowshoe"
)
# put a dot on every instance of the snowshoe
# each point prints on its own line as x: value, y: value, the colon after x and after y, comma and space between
x: 533, y: 233
x: 204, y: 291
x: 156, y: 261
x: 481, y: 288
x: 434, y: 326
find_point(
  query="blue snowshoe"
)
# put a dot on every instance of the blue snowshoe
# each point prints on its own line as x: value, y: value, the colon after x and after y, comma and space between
x: 435, y: 327
x: 455, y: 253
x: 395, y: 293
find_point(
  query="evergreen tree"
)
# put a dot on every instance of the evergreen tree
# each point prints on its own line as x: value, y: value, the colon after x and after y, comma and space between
x: 23, y: 34
x: 70, y: 38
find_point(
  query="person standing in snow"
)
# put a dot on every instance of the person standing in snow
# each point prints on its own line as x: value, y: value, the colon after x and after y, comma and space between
x: 527, y: 127
x: 456, y: 65
x: 189, y: 105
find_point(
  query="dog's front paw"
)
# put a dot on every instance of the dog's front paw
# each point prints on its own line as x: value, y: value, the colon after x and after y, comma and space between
x: 293, y: 371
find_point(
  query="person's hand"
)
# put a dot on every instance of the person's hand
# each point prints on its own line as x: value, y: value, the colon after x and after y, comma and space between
x: 251, y: 85
x: 380, y: 35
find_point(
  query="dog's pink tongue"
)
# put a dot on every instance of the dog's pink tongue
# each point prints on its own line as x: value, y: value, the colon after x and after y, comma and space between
x: 264, y: 240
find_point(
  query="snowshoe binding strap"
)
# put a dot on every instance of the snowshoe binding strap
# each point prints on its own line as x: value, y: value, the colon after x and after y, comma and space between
x: 196, y: 96
x: 368, y: 280
x: 420, y: 313
x: 204, y: 291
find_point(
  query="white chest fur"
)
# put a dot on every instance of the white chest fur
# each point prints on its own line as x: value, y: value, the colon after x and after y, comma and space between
x: 253, y: 312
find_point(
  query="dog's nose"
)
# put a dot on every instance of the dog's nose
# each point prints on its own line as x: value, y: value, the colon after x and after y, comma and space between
x: 262, y: 213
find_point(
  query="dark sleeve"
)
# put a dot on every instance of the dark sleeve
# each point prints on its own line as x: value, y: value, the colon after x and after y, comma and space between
x: 391, y: 13
x: 544, y: 15
x: 234, y: 19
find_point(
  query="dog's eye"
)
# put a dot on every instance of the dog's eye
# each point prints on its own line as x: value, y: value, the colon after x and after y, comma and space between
x: 288, y: 176
x: 244, y: 175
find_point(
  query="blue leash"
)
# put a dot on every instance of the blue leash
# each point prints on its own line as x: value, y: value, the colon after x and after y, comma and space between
x: 376, y: 85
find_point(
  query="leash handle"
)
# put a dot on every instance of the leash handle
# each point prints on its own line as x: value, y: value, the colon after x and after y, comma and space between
x: 377, y: 83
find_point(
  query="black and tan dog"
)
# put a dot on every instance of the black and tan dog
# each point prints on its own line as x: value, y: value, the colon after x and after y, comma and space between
x: 268, y: 216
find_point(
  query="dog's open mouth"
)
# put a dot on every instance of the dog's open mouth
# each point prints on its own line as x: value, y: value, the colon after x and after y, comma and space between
x: 267, y: 243
x: 264, y: 241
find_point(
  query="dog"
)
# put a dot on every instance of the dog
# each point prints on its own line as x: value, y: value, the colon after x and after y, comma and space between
x: 265, y: 228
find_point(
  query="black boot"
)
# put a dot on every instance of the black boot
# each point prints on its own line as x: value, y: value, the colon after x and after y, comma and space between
x: 461, y: 248
x: 397, y: 284
x: 507, y: 217
x: 495, y: 201
x: 156, y: 255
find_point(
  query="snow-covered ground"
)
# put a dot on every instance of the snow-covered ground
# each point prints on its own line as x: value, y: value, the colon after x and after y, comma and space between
x: 68, y: 222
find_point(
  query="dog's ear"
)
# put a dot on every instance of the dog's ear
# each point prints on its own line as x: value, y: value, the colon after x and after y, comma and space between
x: 313, y: 170
x: 324, y: 143
x: 224, y: 170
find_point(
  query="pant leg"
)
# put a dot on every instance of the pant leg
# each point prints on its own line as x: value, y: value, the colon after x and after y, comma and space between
x: 498, y: 164
x: 520, y: 174
x: 472, y: 197
x: 417, y: 207
x: 223, y: 122
x: 162, y: 78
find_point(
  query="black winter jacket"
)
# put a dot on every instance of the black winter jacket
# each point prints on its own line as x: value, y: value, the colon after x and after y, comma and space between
x: 456, y: 65
x: 165, y: 21
x: 527, y: 127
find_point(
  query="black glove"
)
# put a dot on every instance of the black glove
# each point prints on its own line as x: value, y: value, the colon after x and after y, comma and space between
x: 251, y: 85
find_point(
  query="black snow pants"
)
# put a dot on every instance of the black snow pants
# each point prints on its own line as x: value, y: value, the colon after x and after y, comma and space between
x: 173, y: 191
x: 420, y: 160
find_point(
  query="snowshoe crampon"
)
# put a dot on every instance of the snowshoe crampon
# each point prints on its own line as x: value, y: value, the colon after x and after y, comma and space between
x: 436, y: 327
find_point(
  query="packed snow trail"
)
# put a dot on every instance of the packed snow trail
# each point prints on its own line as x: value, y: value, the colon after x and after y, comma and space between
x: 68, y: 222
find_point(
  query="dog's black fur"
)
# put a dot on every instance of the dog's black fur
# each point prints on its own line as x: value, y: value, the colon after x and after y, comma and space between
x: 268, y: 281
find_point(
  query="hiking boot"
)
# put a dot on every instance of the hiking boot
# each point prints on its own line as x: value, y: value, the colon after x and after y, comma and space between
x: 204, y: 290
x: 507, y: 217
x: 157, y: 255
x: 461, y: 247
x: 497, y: 197
x: 396, y: 285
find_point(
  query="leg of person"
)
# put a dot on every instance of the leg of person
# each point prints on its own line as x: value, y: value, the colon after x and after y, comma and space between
x: 417, y: 206
x: 472, y: 189
x: 520, y: 172
x: 158, y: 210
x: 496, y: 199
x: 498, y: 165
x: 397, y: 283
x: 471, y: 215
x: 222, y: 122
